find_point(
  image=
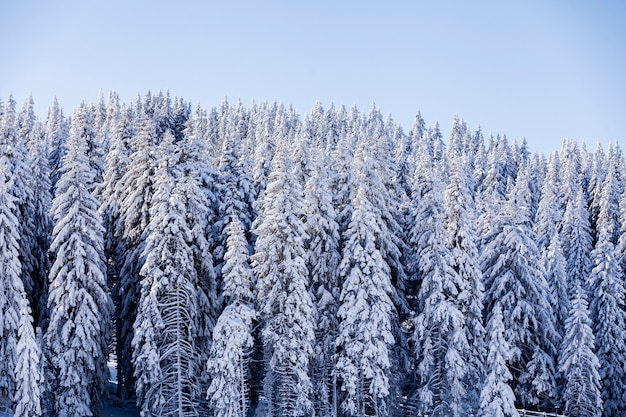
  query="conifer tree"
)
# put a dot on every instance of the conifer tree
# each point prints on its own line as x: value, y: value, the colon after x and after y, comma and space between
x: 323, y: 256
x: 606, y: 283
x: 11, y: 288
x: 578, y: 364
x: 461, y: 235
x: 56, y: 133
x: 285, y: 304
x: 80, y: 307
x: 366, y: 310
x: 514, y: 277
x: 196, y: 179
x: 440, y: 337
x: 41, y: 226
x: 228, y: 364
x: 28, y: 373
x: 137, y: 188
x: 497, y: 398
x: 165, y: 356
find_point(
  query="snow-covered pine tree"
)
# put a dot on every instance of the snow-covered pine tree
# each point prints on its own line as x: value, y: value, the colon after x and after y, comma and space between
x: 578, y: 364
x: 28, y: 375
x: 56, y: 133
x: 19, y: 368
x: 441, y: 346
x: 497, y: 398
x: 13, y: 148
x: 228, y: 393
x: 577, y: 239
x: 461, y: 235
x: 41, y: 225
x: 551, y: 207
x: 606, y: 284
x: 285, y: 304
x: 323, y: 258
x: 196, y: 179
x: 366, y: 310
x: 137, y: 188
x: 83, y: 120
x: 236, y: 186
x: 165, y: 356
x: 555, y: 264
x: 228, y: 364
x: 117, y: 163
x: 515, y: 278
x: 11, y: 288
x: 80, y: 307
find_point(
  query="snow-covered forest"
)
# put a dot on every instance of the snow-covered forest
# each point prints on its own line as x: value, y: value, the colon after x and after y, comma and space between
x: 234, y: 258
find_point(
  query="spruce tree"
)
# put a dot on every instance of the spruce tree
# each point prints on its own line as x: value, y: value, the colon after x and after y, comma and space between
x: 366, y: 310
x: 323, y: 256
x: 137, y: 188
x: 439, y: 336
x: 229, y: 360
x: 285, y: 304
x: 11, y: 285
x: 578, y: 364
x: 461, y: 235
x: 515, y: 278
x: 497, y: 398
x: 606, y: 283
x: 80, y: 307
x: 165, y: 356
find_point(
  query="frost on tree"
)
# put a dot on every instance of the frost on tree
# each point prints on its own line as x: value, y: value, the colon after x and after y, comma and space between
x: 136, y: 190
x: 514, y: 277
x: 165, y: 356
x: 578, y: 364
x: 606, y: 283
x: 11, y: 288
x: 366, y: 309
x: 497, y: 398
x: 285, y: 304
x: 440, y: 336
x: 323, y: 258
x: 461, y: 235
x: 80, y: 307
x: 228, y: 363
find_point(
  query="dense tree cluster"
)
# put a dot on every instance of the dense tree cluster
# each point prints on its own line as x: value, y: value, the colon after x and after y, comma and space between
x: 250, y: 258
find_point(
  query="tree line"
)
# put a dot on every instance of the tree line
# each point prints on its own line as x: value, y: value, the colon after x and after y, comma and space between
x: 326, y: 264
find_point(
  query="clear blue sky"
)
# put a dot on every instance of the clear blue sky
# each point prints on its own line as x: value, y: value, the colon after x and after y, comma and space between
x: 545, y: 70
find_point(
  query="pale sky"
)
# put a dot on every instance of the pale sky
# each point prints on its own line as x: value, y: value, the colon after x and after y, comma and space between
x: 544, y: 70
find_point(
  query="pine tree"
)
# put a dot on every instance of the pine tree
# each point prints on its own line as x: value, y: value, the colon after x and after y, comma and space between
x: 285, y: 304
x: 228, y: 364
x: 13, y: 148
x: 116, y: 165
x: 497, y: 398
x: 228, y: 393
x: 366, y: 310
x: 577, y: 239
x: 28, y: 371
x: 11, y: 288
x: 41, y: 227
x: 514, y: 277
x: 323, y: 256
x: 578, y: 363
x: 439, y: 336
x: 137, y: 188
x: 196, y: 179
x: 80, y: 307
x: 606, y: 283
x: 461, y: 234
x: 56, y: 133
x: 164, y: 352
